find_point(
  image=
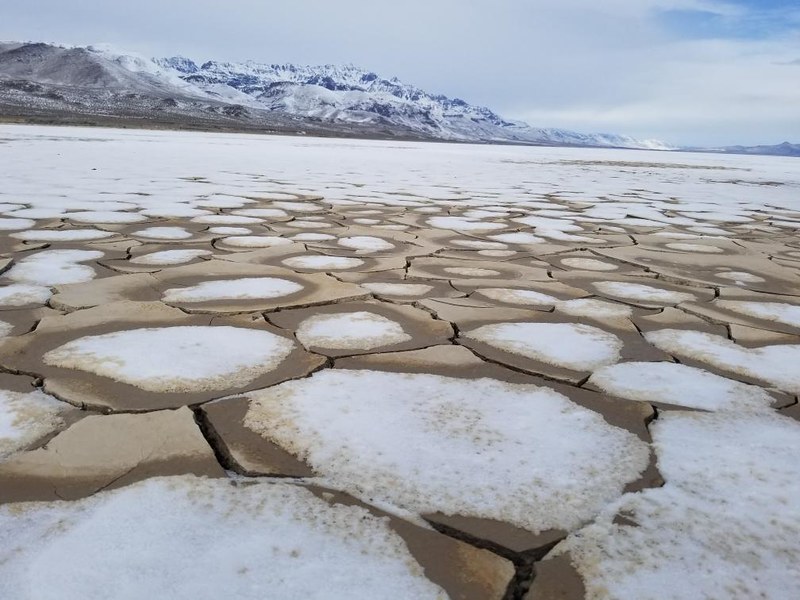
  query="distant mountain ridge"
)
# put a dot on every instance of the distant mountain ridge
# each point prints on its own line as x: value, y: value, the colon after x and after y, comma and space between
x: 98, y: 84
x: 784, y: 149
x: 350, y: 94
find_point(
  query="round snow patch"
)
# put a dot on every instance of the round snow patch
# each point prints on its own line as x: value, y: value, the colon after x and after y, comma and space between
x: 568, y: 345
x: 360, y: 330
x: 246, y: 288
x: 176, y: 359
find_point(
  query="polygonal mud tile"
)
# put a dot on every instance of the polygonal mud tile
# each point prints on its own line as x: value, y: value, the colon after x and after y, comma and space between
x: 445, y: 268
x: 139, y: 287
x: 753, y: 271
x: 669, y: 385
x: 556, y: 346
x: 362, y: 327
x: 145, y: 356
x: 465, y: 310
x: 302, y: 261
x: 397, y: 289
x: 20, y: 296
x: 174, y: 232
x: 760, y: 311
x: 29, y: 416
x: 99, y: 452
x: 724, y: 473
x: 226, y: 287
x: 149, y: 258
x: 20, y: 322
x: 584, y: 260
x: 529, y: 295
x: 645, y: 293
x: 772, y: 364
x: 357, y: 550
x: 752, y: 336
x: 449, y: 359
x: 427, y: 421
x: 674, y: 318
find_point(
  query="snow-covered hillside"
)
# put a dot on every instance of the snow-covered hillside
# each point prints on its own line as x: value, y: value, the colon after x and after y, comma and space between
x: 47, y: 80
x: 350, y: 94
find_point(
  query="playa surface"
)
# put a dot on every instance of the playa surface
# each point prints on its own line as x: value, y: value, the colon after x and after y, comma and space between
x: 268, y: 367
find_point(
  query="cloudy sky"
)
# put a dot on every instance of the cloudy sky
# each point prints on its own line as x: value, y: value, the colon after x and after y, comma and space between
x: 703, y: 72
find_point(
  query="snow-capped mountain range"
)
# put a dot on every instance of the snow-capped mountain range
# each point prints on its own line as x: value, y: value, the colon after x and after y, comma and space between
x: 47, y: 79
x: 101, y: 84
x: 353, y: 95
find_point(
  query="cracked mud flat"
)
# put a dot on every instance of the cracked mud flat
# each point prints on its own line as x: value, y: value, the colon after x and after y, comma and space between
x: 263, y: 367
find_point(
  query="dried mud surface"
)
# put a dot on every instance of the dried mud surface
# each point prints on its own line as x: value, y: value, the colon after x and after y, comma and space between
x: 447, y: 358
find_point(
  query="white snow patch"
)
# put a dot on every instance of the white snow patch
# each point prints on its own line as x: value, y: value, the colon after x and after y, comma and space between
x: 15, y: 224
x: 645, y: 293
x: 163, y: 233
x: 233, y: 289
x: 389, y: 436
x: 569, y: 345
x: 774, y: 364
x: 169, y: 257
x: 515, y: 296
x: 176, y: 359
x: 313, y: 237
x: 321, y: 263
x: 54, y: 267
x: 20, y: 294
x: 519, y: 237
x: 471, y: 271
x: 594, y: 309
x: 61, y: 235
x: 229, y: 230
x: 105, y: 216
x: 589, y: 264
x: 683, y: 385
x: 740, y: 277
x: 366, y: 243
x: 360, y: 330
x: 780, y: 312
x: 226, y: 220
x: 26, y: 417
x: 188, y: 538
x: 725, y: 525
x: 694, y: 248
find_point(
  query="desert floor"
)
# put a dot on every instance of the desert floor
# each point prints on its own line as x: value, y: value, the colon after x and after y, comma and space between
x: 240, y: 366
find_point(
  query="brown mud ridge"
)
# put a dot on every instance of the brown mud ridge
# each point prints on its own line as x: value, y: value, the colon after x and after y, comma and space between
x: 358, y: 353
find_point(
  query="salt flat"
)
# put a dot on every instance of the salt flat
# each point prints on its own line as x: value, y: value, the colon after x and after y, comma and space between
x: 285, y: 367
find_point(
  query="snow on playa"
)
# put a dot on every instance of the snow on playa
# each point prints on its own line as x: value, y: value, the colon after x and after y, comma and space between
x: 176, y: 359
x: 505, y: 341
x: 167, y: 535
x: 233, y: 289
x: 359, y: 330
x: 572, y: 346
x: 557, y: 463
